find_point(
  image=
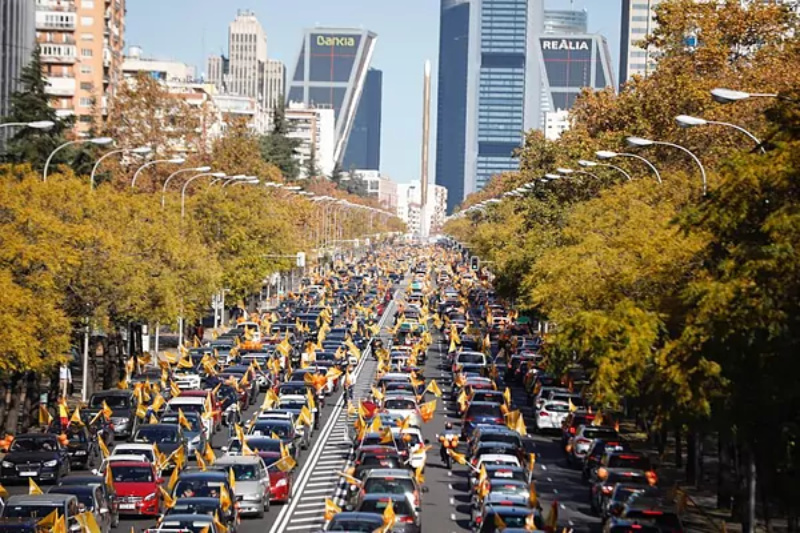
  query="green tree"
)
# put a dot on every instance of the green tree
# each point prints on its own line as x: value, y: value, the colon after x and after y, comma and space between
x: 29, y: 104
x: 280, y: 149
x: 311, y: 170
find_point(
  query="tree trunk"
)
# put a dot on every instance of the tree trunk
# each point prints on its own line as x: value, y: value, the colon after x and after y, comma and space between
x: 691, y: 458
x: 13, y: 403
x: 3, y: 400
x: 725, y: 479
x: 29, y: 391
x: 678, y: 447
x: 749, y: 514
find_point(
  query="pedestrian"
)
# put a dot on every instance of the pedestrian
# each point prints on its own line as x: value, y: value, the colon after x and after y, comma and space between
x: 64, y: 380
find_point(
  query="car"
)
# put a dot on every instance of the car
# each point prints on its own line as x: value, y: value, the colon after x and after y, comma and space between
x: 596, y: 451
x: 216, y: 406
x: 493, y: 433
x: 136, y: 488
x: 195, y: 436
x: 481, y: 413
x: 204, y: 506
x: 500, y: 459
x: 285, y: 430
x: 572, y: 422
x: 252, y: 483
x: 403, y: 406
x: 355, y: 522
x: 644, y: 513
x: 191, y: 523
x: 513, y: 489
x: 37, y: 456
x: 22, y: 525
x: 168, y: 437
x: 202, y: 484
x: 387, y: 480
x: 280, y: 482
x: 141, y: 449
x: 371, y: 457
x: 578, y: 446
x: 408, y: 517
x: 40, y: 505
x: 191, y: 404
x: 519, y: 499
x: 620, y: 495
x: 107, y: 492
x: 513, y: 516
x: 550, y: 415
x: 81, y: 447
x: 122, y: 403
x: 91, y: 500
x: 468, y: 358
x: 602, y: 487
x: 294, y: 403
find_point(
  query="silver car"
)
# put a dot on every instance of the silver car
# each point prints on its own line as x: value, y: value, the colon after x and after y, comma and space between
x: 252, y: 482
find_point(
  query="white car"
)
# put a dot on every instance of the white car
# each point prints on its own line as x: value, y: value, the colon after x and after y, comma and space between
x: 253, y: 328
x: 403, y: 406
x: 188, y: 381
x: 193, y: 404
x: 121, y: 458
x: 551, y: 414
x: 416, y: 444
x: 138, y: 448
x: 545, y: 392
x: 296, y: 402
x: 494, y: 459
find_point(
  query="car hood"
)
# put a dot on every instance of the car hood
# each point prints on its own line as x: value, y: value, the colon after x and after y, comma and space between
x: 33, y: 457
x: 248, y: 487
x: 134, y: 489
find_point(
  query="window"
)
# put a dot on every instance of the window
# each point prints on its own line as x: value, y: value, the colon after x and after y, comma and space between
x: 86, y: 86
x: 86, y: 52
x: 85, y: 101
x: 87, y: 21
x: 87, y: 4
x: 86, y: 69
x: 640, y: 18
x: 640, y: 31
x: 87, y: 36
x: 86, y: 119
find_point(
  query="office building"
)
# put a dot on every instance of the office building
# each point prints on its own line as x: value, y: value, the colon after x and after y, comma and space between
x: 495, y: 82
x: 555, y: 123
x: 247, y: 50
x: 379, y: 187
x: 217, y: 71
x: 331, y: 72
x: 81, y: 46
x: 364, y: 145
x: 17, y: 42
x: 315, y: 128
x: 409, y: 208
x: 159, y: 69
x: 276, y: 84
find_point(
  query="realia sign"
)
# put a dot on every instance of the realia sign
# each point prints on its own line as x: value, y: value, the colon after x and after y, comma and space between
x: 564, y: 44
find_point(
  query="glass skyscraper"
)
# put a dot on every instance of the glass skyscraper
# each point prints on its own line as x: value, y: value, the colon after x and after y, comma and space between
x: 331, y: 72
x: 493, y: 85
x: 364, y: 145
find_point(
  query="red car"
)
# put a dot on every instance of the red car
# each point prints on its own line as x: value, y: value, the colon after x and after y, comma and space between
x: 280, y: 483
x: 214, y: 403
x: 136, y: 487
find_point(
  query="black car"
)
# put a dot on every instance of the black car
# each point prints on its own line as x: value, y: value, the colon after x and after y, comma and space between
x: 81, y: 447
x: 169, y: 437
x: 87, y: 480
x: 22, y: 525
x: 123, y: 409
x: 35, y: 455
x: 206, y: 506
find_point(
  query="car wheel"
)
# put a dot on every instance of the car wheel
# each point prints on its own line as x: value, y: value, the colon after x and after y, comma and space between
x: 261, y: 510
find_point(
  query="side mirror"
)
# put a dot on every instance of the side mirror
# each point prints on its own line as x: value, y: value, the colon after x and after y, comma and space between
x: 95, y: 472
x: 104, y: 510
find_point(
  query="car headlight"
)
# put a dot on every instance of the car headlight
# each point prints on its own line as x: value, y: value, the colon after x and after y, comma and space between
x: 80, y: 452
x: 150, y: 497
x: 196, y: 439
x: 8, y: 464
x: 252, y: 497
x: 50, y: 464
x: 281, y: 483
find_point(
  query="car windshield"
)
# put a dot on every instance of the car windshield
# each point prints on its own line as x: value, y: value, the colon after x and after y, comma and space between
x: 360, y: 526
x: 187, y: 408
x: 194, y: 507
x: 194, y: 422
x: 131, y: 474
x: 512, y: 489
x: 84, y: 496
x: 515, y: 520
x: 198, y: 488
x: 600, y: 433
x: 504, y: 473
x: 401, y: 506
x: 501, y: 437
x: 257, y: 444
x: 31, y: 511
x: 632, y: 462
x: 268, y: 428
x: 195, y: 526
x: 389, y: 485
x: 244, y: 472
x: 34, y: 444
x: 471, y: 358
x: 292, y: 406
x: 380, y: 461
x: 157, y: 435
x: 484, y: 410
x: 399, y: 403
x: 114, y: 402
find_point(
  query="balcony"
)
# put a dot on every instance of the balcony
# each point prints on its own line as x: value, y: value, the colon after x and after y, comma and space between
x: 63, y: 6
x: 60, y: 86
x: 58, y: 53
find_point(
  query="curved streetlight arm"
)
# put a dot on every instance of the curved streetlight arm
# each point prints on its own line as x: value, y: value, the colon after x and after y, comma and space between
x: 166, y: 182
x: 146, y: 165
x: 646, y: 162
x: 183, y: 191
x: 690, y: 154
x: 97, y: 165
x: 587, y: 173
x: 621, y: 171
x: 54, y: 152
x: 742, y: 130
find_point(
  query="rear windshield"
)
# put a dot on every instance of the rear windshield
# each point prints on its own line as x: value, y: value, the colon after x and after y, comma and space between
x: 390, y: 485
x: 484, y: 410
x: 600, y: 433
x: 114, y: 402
x: 131, y: 474
x: 156, y: 435
x: 470, y: 358
x: 501, y: 437
x: 267, y: 429
x: 381, y: 462
x: 556, y: 407
x: 399, y: 403
x: 633, y: 462
x: 31, y: 511
x: 401, y: 506
x: 359, y: 526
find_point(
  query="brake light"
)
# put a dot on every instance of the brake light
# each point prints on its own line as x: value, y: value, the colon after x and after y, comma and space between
x: 506, y: 502
x: 478, y: 520
x: 544, y: 413
x: 572, y: 431
x: 405, y: 519
x: 625, y: 456
x: 607, y: 489
x: 652, y: 513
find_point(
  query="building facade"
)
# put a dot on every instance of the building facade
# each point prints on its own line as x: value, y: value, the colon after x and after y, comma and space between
x: 158, y: 69
x: 566, y: 21
x: 17, y: 42
x: 638, y: 22
x: 276, y: 84
x: 315, y: 129
x: 331, y: 72
x: 81, y: 46
x: 217, y: 72
x: 247, y: 50
x: 419, y: 221
x: 364, y: 145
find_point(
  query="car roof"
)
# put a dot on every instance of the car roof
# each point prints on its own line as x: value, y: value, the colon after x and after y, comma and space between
x: 238, y: 459
x: 187, y: 517
x: 132, y: 463
x: 389, y: 472
x: 33, y: 499
x: 188, y: 400
x: 355, y: 515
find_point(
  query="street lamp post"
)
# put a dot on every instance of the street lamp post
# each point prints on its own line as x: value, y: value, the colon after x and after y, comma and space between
x: 142, y: 150
x: 728, y: 96
x: 607, y: 154
x: 639, y: 141
x: 180, y: 171
x: 687, y: 121
x: 99, y: 141
x: 173, y: 161
x: 590, y: 164
x: 186, y: 184
x: 37, y: 125
x: 568, y: 171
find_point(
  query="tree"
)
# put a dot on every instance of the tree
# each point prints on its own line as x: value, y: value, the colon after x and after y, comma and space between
x: 29, y: 104
x: 280, y: 149
x: 311, y: 170
x: 237, y: 152
x: 336, y: 173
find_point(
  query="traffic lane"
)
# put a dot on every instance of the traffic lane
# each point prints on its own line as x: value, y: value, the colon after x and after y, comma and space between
x: 446, y: 506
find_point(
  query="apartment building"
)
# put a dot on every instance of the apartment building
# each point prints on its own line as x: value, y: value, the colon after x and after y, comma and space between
x: 81, y: 43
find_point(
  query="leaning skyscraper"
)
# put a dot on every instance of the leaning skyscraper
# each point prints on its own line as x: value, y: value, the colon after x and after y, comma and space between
x: 330, y: 72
